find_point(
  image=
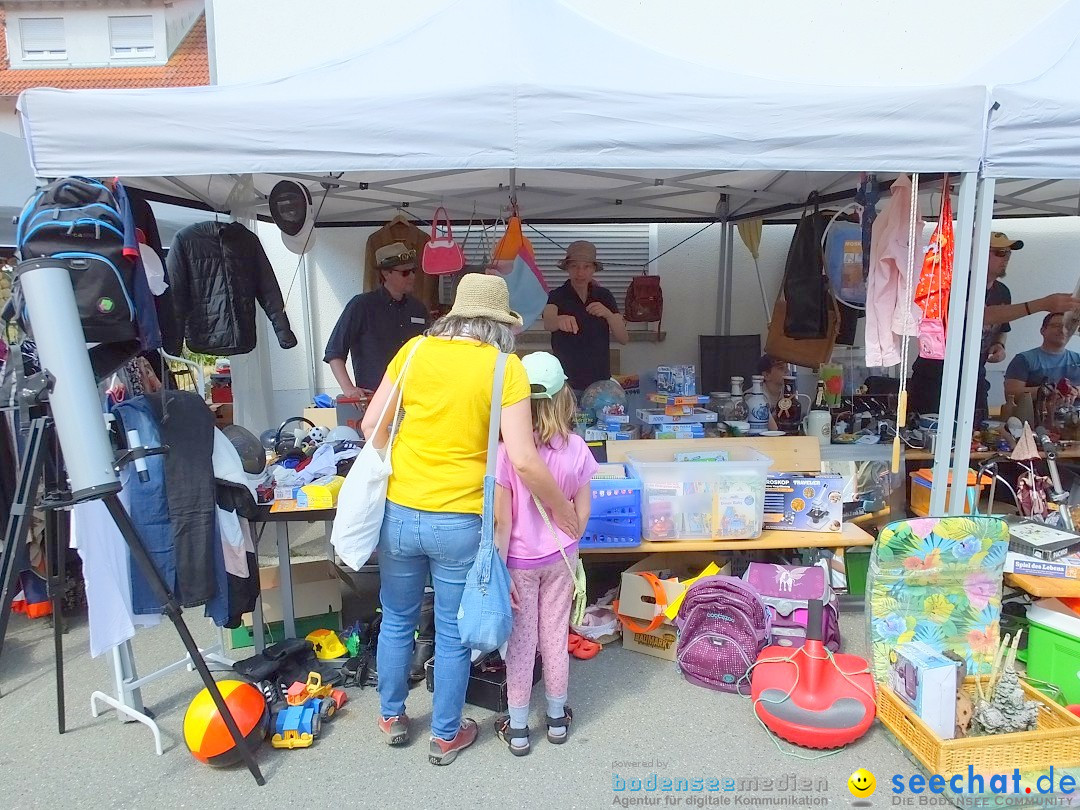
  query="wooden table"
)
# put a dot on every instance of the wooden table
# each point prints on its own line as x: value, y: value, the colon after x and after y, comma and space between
x: 849, y: 535
x: 1044, y: 586
x: 1069, y: 453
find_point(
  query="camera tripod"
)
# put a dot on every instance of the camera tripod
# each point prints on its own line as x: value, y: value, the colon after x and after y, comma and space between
x: 33, y: 393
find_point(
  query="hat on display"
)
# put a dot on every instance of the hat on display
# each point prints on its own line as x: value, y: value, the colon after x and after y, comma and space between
x: 998, y: 240
x: 483, y: 296
x: 291, y: 209
x: 580, y: 251
x: 395, y: 256
x: 545, y: 372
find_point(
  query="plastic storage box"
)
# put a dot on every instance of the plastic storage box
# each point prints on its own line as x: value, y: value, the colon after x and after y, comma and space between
x: 616, y: 514
x: 1054, y: 646
x: 717, y: 500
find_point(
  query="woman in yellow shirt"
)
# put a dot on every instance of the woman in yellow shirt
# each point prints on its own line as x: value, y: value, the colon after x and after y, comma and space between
x: 435, y: 494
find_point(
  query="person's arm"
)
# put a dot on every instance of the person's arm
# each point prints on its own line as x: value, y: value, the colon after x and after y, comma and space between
x: 554, y: 322
x: 338, y: 347
x: 503, y: 517
x: 375, y: 430
x: 618, y: 328
x: 1017, y: 388
x: 341, y: 374
x: 1005, y: 313
x: 609, y: 311
x: 517, y: 434
x: 1016, y: 376
x: 997, y: 349
x: 583, y: 505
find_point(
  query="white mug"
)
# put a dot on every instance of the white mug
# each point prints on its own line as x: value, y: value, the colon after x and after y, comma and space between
x: 819, y: 423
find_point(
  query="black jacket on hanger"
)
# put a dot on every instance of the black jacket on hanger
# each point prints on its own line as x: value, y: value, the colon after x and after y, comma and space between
x: 217, y: 271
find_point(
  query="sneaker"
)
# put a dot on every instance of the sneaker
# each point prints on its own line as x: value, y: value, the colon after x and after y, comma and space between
x: 443, y: 752
x: 396, y: 729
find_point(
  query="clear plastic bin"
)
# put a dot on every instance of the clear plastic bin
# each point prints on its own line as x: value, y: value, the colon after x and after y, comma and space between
x: 721, y: 500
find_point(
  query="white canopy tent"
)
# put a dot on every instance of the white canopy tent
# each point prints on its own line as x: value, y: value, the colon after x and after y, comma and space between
x: 523, y: 98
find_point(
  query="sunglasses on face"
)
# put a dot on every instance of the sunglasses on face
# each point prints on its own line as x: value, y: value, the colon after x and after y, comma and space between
x: 408, y: 271
x: 1001, y: 253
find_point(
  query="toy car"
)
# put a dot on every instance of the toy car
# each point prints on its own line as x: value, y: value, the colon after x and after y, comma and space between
x: 324, y: 698
x: 295, y: 727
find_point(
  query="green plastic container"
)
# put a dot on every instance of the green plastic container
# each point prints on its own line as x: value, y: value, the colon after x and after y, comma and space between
x: 244, y: 636
x: 856, y: 564
x: 1054, y: 656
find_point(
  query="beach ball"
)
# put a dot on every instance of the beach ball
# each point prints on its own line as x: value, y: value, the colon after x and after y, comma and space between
x: 205, y: 732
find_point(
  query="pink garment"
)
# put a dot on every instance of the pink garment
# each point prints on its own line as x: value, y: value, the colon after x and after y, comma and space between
x: 543, y: 616
x: 890, y: 310
x: 572, y: 465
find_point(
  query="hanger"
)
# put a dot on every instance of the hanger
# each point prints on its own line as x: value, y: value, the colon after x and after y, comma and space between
x: 399, y: 218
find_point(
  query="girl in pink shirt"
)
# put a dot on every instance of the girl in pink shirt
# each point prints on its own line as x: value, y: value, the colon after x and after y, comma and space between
x: 543, y: 586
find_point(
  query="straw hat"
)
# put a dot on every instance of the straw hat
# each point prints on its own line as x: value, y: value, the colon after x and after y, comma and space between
x: 580, y: 251
x: 483, y: 296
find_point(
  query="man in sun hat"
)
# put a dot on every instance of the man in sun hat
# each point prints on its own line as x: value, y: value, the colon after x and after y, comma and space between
x: 376, y: 324
x: 925, y: 385
x: 582, y: 318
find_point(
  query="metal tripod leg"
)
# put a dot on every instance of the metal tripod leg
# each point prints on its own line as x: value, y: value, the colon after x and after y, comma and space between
x: 57, y: 527
x: 172, y: 609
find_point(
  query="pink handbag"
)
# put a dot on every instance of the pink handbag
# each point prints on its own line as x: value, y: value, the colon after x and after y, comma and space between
x: 442, y: 254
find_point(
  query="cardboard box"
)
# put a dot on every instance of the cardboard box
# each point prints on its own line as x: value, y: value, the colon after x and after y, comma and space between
x: 322, y: 493
x: 322, y: 417
x: 804, y: 503
x: 316, y: 590
x: 223, y: 414
x: 638, y: 601
x: 922, y: 481
x: 926, y: 680
x: 1065, y: 568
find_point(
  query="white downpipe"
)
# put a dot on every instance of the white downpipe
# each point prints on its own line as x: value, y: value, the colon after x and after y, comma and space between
x: 722, y: 293
x: 729, y: 281
x: 953, y: 343
x: 309, y: 327
x: 969, y: 377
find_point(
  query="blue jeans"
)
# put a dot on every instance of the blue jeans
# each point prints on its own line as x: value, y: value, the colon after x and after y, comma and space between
x: 412, y: 545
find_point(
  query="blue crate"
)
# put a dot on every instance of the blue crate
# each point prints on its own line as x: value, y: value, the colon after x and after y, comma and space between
x: 623, y: 531
x: 614, y: 497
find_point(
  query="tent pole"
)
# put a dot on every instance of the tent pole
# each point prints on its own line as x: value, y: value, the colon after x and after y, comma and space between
x: 309, y: 327
x: 953, y: 343
x: 969, y: 376
x: 722, y: 291
x: 728, y: 267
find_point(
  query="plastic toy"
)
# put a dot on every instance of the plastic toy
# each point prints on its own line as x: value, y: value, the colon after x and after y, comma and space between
x: 318, y: 434
x: 327, y: 645
x: 295, y: 727
x: 205, y: 733
x: 325, y: 698
x: 811, y: 697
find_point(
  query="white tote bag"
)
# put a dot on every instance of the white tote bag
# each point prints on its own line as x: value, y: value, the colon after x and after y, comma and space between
x: 362, y: 500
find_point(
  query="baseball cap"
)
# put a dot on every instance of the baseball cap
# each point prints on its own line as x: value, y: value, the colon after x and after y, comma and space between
x: 545, y: 372
x: 290, y: 207
x: 998, y: 240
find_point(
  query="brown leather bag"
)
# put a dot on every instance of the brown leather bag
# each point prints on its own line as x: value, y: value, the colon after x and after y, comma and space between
x: 807, y: 353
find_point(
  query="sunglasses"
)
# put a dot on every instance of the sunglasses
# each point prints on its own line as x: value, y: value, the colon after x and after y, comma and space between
x: 407, y: 271
x: 1001, y: 253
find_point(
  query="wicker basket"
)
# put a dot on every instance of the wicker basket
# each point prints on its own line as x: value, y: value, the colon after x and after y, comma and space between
x: 1055, y: 742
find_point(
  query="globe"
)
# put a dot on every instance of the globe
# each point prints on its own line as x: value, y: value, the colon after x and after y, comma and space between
x: 604, y: 398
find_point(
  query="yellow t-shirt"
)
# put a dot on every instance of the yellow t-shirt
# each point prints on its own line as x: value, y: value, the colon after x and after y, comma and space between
x: 440, y: 451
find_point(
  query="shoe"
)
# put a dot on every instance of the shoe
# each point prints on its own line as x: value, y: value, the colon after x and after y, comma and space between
x: 560, y: 722
x: 396, y: 729
x: 581, y: 648
x: 443, y: 752
x: 511, y: 736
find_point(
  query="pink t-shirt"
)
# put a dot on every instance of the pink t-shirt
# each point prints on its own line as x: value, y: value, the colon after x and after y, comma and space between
x: 531, y: 544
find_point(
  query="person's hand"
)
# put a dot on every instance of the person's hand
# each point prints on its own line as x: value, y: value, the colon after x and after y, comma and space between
x: 355, y: 392
x: 598, y: 310
x: 565, y: 517
x: 996, y: 353
x: 515, y: 603
x: 568, y: 323
x: 1058, y: 302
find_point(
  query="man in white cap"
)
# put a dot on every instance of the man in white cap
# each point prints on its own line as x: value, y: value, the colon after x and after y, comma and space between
x: 582, y: 318
x: 925, y: 385
x: 376, y: 324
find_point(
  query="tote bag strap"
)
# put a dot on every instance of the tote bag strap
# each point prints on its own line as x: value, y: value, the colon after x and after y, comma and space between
x: 398, y: 387
x: 496, y: 413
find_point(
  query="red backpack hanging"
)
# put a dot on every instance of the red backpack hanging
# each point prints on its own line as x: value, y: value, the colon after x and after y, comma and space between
x: 645, y: 301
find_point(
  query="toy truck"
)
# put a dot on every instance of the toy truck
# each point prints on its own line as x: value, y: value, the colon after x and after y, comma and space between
x: 295, y: 727
x: 323, y: 698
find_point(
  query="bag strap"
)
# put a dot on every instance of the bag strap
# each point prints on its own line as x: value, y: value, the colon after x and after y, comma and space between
x: 496, y: 413
x: 555, y: 536
x: 399, y: 387
x: 435, y: 222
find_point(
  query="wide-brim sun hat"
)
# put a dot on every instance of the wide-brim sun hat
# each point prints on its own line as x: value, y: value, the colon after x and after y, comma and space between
x: 580, y: 251
x: 482, y: 296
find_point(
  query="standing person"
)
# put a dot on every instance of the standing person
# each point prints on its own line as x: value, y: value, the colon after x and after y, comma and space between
x: 925, y: 383
x: 376, y: 324
x: 436, y: 492
x: 541, y: 574
x: 1049, y: 362
x: 582, y: 318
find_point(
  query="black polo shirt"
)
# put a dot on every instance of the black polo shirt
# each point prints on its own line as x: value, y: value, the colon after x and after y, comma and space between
x: 585, y: 356
x: 372, y: 329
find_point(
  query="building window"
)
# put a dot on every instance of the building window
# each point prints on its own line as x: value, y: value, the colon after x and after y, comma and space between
x: 132, y: 37
x: 42, y: 39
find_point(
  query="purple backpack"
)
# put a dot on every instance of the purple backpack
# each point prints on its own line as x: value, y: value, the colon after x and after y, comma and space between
x: 787, y: 590
x: 723, y: 626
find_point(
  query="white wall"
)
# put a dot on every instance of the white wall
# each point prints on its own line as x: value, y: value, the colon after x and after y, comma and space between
x: 86, y: 33
x: 180, y: 15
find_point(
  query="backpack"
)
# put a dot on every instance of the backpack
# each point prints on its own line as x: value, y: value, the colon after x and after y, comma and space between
x: 644, y: 301
x: 78, y: 222
x: 786, y: 591
x: 723, y: 627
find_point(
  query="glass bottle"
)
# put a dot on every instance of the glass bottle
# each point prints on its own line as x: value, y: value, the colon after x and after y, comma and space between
x: 723, y: 405
x: 757, y: 405
x: 739, y: 411
x: 788, y: 411
x: 819, y: 398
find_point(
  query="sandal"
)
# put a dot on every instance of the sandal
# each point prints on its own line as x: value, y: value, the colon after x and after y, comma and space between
x: 509, y: 735
x: 572, y: 642
x: 560, y: 722
x: 582, y: 648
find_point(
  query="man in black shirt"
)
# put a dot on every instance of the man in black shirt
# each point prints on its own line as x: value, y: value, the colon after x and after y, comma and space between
x: 582, y: 318
x: 925, y: 384
x: 376, y: 324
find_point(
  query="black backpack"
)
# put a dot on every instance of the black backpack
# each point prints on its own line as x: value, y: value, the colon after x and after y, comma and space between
x: 77, y: 222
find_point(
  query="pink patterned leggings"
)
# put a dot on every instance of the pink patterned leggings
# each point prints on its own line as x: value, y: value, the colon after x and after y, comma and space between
x: 545, y: 595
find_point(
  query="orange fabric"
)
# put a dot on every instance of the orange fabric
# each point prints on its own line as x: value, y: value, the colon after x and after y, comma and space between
x: 935, y: 281
x: 512, y: 242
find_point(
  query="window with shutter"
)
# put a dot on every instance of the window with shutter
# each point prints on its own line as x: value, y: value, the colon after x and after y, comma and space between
x: 42, y: 39
x: 624, y: 250
x: 132, y: 37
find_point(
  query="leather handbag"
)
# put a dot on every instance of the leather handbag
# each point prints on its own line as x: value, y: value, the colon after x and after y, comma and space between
x: 486, y: 617
x: 442, y: 254
x: 806, y: 283
x: 806, y: 353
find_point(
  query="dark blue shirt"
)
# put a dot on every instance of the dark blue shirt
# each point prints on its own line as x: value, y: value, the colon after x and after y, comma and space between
x: 371, y: 330
x: 586, y: 356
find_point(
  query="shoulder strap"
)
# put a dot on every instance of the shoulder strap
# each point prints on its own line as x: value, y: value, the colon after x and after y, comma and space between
x: 496, y: 413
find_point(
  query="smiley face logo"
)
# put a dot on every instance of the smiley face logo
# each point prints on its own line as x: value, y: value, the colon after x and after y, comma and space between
x: 862, y: 783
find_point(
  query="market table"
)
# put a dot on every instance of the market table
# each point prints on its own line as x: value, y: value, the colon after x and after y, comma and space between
x: 1040, y: 587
